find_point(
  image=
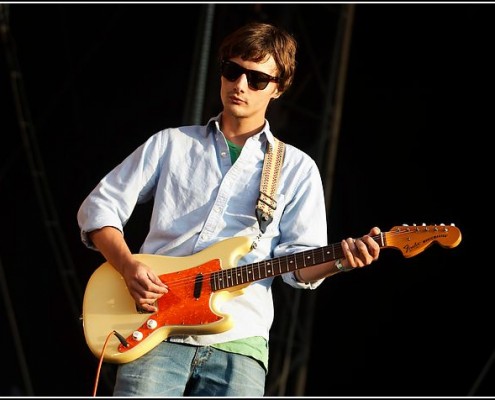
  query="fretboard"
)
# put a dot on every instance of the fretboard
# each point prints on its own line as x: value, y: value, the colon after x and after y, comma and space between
x: 244, y: 274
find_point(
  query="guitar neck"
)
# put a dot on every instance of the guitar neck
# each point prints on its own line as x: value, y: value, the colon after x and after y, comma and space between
x: 249, y: 273
x: 410, y: 240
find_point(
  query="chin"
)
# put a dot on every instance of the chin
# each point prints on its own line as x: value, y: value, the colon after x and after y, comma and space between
x: 236, y: 112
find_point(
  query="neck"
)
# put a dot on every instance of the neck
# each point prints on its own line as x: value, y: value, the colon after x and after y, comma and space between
x: 238, y: 130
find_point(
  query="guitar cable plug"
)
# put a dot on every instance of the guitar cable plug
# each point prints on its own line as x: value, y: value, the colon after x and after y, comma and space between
x: 121, y: 339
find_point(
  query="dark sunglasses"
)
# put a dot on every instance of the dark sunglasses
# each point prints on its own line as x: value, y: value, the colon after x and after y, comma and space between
x: 256, y: 80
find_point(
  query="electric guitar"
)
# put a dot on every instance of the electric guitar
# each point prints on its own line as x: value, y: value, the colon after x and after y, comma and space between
x: 117, y: 331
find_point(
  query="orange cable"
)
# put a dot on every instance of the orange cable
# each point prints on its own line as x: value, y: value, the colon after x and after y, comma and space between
x: 101, y: 362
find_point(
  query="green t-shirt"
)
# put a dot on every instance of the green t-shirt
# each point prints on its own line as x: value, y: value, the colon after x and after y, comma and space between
x: 234, y: 150
x: 255, y: 347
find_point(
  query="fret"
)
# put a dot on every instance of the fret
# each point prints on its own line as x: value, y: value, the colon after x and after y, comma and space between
x: 223, y: 280
x: 218, y: 280
x: 297, y: 262
x: 292, y: 265
x: 213, y: 281
x: 228, y: 274
x: 319, y: 256
x: 275, y: 266
x: 249, y: 273
x: 243, y: 274
x: 301, y: 257
x: 236, y: 275
x: 259, y: 270
x: 286, y: 264
x: 311, y: 257
x: 253, y: 270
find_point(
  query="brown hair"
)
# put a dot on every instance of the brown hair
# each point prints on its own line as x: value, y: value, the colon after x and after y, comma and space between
x: 255, y: 41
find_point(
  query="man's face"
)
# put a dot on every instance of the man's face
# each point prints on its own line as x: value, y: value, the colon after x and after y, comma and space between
x: 240, y: 98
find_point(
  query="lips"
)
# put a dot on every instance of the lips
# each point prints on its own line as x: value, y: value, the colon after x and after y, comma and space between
x: 236, y: 100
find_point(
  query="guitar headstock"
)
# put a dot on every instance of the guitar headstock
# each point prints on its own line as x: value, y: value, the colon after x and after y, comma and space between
x: 413, y: 239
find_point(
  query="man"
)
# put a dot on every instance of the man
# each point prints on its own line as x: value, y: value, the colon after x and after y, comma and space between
x: 205, y: 184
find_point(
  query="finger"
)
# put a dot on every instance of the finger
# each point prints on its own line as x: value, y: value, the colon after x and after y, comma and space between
x: 359, y: 251
x: 157, y: 281
x: 149, y: 307
x: 372, y: 247
x: 357, y: 243
x: 149, y: 285
x: 351, y: 243
x: 374, y: 231
x: 144, y: 296
x: 350, y: 252
x: 362, y: 253
x: 157, y: 286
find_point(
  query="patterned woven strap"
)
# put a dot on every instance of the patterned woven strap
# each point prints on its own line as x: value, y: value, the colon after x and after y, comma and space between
x: 272, y: 166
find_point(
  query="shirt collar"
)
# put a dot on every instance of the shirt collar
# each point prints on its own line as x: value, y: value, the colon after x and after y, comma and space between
x: 213, y: 125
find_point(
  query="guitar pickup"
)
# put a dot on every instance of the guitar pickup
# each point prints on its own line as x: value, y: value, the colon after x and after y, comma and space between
x: 198, y: 286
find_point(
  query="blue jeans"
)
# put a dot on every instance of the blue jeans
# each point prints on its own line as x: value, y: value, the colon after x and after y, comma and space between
x: 174, y: 369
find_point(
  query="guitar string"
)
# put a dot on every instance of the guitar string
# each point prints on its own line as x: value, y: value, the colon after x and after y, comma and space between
x: 336, y: 247
x: 273, y: 263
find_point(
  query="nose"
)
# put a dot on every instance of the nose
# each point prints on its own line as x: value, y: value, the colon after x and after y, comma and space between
x: 242, y: 80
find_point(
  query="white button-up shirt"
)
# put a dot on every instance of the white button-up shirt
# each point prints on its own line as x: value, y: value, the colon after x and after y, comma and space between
x: 200, y: 198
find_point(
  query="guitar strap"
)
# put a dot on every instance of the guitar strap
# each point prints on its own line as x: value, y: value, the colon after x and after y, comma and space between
x: 272, y: 165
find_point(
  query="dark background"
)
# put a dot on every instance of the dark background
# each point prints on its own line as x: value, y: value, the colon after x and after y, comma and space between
x: 95, y: 81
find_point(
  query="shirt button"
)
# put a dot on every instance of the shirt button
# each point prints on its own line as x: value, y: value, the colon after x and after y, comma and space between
x: 218, y: 209
x: 223, y: 154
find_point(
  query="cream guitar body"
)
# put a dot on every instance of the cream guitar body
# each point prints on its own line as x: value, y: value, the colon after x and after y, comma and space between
x: 190, y: 307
